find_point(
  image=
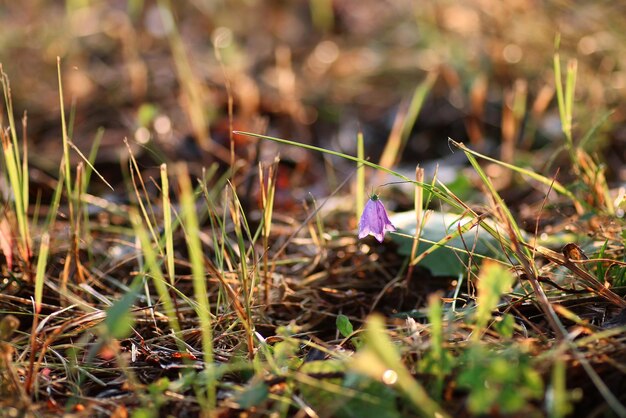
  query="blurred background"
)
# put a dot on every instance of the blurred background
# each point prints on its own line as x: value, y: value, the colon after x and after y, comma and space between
x: 161, y: 73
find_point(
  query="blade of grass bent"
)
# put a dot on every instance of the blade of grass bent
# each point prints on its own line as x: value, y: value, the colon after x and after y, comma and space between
x: 90, y: 165
x: 433, y: 189
x: 558, y: 187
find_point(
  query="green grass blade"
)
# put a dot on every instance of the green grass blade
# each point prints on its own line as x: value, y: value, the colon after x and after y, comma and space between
x: 570, y: 86
x: 591, y: 132
x: 415, y: 107
x: 360, y: 176
x: 66, y: 146
x: 42, y: 262
x: 558, y: 187
x: 192, y: 229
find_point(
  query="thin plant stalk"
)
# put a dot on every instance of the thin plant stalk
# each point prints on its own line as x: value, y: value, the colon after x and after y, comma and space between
x: 318, y: 232
x: 565, y: 100
x: 25, y: 177
x: 167, y: 224
x: 77, y: 232
x: 49, y: 226
x: 560, y: 97
x: 419, y: 210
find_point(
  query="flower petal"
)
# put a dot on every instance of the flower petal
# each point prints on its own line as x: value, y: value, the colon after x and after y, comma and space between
x: 367, y: 222
x: 374, y: 220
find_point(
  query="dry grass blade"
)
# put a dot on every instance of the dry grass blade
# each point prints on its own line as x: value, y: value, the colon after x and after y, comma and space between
x: 585, y: 277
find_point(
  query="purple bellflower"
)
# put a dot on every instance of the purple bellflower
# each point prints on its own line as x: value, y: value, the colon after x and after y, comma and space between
x: 374, y: 220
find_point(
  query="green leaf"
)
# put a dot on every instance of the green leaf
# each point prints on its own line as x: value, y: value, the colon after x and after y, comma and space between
x: 505, y: 325
x: 119, y: 320
x: 344, y: 325
x: 324, y: 395
x: 437, y: 361
x: 159, y: 386
x: 495, y: 279
x: 378, y: 401
x: 146, y: 114
x: 285, y: 353
x: 505, y: 379
x: 143, y: 413
x: 254, y: 394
